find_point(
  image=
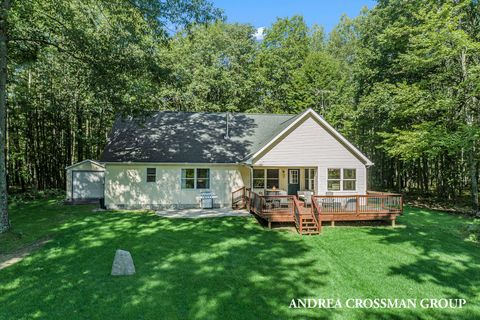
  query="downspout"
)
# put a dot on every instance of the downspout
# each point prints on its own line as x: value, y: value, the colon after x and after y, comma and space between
x: 251, y: 177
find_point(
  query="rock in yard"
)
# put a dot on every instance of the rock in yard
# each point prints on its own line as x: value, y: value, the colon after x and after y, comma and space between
x: 123, y: 264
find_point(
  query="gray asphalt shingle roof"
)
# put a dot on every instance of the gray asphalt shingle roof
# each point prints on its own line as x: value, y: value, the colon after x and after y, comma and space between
x: 179, y: 137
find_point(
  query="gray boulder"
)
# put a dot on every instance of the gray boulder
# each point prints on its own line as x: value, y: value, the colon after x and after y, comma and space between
x: 123, y: 264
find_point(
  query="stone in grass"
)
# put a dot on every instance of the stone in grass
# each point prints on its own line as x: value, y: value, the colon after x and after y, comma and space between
x: 123, y: 264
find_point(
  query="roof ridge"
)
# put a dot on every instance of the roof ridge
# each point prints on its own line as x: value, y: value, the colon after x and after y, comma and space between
x: 221, y: 112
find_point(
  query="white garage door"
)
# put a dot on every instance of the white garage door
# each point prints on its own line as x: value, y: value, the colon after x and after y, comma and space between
x: 87, y: 184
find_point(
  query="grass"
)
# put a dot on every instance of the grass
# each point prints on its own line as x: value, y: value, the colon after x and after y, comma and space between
x: 230, y: 268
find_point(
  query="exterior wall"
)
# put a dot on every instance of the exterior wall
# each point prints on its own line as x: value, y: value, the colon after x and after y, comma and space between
x: 87, y: 165
x: 310, y: 145
x: 126, y: 186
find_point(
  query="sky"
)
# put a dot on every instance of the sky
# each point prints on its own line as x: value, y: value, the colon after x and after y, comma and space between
x: 262, y: 13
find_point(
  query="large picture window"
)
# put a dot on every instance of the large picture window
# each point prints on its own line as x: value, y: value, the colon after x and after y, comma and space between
x: 196, y: 178
x: 338, y: 179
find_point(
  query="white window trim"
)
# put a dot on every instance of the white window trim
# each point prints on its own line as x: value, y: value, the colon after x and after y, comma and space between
x: 195, y: 179
x: 341, y: 180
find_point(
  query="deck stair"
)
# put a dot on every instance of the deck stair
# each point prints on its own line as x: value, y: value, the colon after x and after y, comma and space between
x: 305, y: 221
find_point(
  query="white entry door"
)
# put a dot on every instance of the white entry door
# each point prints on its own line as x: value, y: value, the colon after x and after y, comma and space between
x: 87, y: 184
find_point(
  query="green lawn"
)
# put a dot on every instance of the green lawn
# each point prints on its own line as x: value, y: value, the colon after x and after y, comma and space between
x: 230, y: 268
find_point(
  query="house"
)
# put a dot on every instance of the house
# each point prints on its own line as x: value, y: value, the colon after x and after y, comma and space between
x: 166, y: 159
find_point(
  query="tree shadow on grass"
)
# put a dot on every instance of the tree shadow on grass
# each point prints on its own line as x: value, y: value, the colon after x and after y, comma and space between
x: 418, y: 314
x: 441, y: 257
x: 206, y: 269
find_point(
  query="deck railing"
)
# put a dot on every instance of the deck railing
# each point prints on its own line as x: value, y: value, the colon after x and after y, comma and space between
x: 371, y: 203
x: 270, y: 204
x: 238, y: 198
x: 359, y: 204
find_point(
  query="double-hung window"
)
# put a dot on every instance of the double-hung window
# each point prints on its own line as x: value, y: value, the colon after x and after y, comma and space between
x: 266, y: 178
x: 349, y: 179
x: 196, y: 178
x: 203, y: 178
x: 334, y: 179
x: 151, y: 174
x: 259, y: 178
x: 342, y: 179
x: 273, y: 178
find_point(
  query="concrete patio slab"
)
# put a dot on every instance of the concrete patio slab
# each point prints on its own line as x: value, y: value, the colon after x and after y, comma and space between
x: 202, y: 213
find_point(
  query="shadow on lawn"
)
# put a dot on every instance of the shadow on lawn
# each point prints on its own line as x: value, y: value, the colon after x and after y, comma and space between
x: 442, y: 258
x: 206, y: 268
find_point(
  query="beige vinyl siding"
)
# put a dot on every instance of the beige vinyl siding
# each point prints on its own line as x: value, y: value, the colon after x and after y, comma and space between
x: 310, y: 145
x: 126, y: 186
x: 87, y: 165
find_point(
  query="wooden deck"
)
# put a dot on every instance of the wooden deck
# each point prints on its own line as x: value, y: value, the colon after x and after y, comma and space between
x: 308, y: 220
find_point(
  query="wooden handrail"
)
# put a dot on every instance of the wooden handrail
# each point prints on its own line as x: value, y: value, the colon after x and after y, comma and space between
x: 316, y: 209
x: 297, y: 215
x: 383, y: 193
x: 238, y: 195
x: 240, y: 189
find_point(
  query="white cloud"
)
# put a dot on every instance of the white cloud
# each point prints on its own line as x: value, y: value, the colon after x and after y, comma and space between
x: 258, y: 35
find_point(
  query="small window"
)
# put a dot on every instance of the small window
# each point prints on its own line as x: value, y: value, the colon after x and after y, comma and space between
x: 203, y: 178
x: 293, y: 176
x: 259, y: 178
x: 273, y: 178
x: 188, y: 178
x: 151, y: 174
x: 349, y: 179
x: 334, y: 180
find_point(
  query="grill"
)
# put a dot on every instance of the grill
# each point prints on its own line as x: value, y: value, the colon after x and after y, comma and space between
x: 206, y: 199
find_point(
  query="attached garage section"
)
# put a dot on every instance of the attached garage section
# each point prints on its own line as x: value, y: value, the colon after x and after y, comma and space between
x: 85, y: 181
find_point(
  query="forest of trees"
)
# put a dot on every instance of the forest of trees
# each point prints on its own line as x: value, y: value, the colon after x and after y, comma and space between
x: 402, y: 81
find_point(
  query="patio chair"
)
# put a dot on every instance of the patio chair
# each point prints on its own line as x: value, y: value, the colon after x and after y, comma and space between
x: 328, y: 204
x: 301, y: 195
x: 283, y: 201
x: 351, y: 205
x: 307, y: 198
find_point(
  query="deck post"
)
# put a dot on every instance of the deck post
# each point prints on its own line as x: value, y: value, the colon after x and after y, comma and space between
x: 269, y: 224
x: 393, y: 223
x: 332, y: 223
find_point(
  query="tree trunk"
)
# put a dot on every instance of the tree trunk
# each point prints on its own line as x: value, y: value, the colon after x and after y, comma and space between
x: 4, y: 220
x: 474, y: 182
